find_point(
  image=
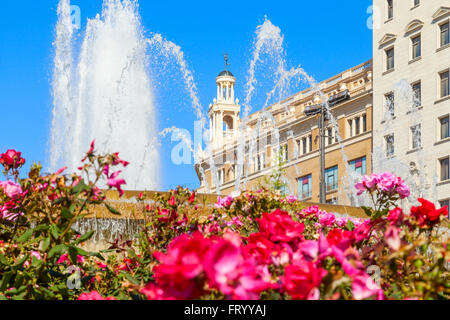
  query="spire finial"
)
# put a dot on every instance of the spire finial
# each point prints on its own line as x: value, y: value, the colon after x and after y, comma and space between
x: 226, y: 61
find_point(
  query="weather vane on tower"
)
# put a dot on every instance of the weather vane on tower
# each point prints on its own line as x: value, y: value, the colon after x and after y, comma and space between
x: 226, y: 61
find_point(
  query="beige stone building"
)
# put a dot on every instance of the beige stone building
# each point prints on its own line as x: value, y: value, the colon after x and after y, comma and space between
x: 411, y: 93
x: 284, y: 130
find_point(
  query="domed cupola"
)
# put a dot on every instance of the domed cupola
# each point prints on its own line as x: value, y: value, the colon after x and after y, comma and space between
x: 224, y: 112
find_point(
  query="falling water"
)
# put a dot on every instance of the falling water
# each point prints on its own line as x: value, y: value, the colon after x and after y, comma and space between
x: 105, y: 93
x: 413, y: 167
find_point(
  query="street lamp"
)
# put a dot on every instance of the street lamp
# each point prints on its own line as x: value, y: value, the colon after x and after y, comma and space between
x: 312, y: 111
x: 322, y: 110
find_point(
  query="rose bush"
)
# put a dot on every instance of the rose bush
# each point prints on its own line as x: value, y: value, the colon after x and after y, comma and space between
x: 249, y: 245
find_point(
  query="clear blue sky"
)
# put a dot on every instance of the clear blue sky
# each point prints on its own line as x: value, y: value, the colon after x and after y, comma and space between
x: 325, y: 37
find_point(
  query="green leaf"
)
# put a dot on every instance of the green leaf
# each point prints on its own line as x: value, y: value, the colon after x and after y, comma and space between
x: 3, y: 260
x: 368, y: 211
x: 112, y: 210
x: 21, y: 262
x: 66, y: 214
x: 45, y: 244
x: 36, y: 263
x: 130, y: 278
x: 26, y: 236
x: 72, y: 254
x: 58, y: 249
x: 81, y: 186
x: 85, y: 237
x: 41, y: 227
x: 75, y: 251
x: 5, y: 280
x: 350, y: 225
x: 15, y: 292
x: 54, y: 230
x: 98, y: 255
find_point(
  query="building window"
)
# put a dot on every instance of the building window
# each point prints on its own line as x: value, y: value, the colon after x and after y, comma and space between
x: 390, y: 6
x: 445, y: 203
x: 445, y: 35
x: 445, y: 174
x: 445, y: 129
x: 417, y: 90
x: 261, y: 161
x: 390, y: 104
x: 284, y: 153
x: 331, y: 179
x: 310, y: 143
x: 305, y: 187
x: 416, y: 47
x: 389, y: 59
x: 330, y: 136
x: 305, y: 150
x: 389, y: 145
x: 445, y: 84
x: 350, y: 127
x: 221, y: 176
x: 357, y: 126
x: 364, y: 121
x: 416, y: 3
x: 416, y: 137
x: 359, y: 165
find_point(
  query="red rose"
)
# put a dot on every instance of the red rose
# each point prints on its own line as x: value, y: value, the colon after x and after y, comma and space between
x: 181, y: 265
x: 301, y: 279
x: 165, y: 215
x: 279, y: 226
x: 259, y: 247
x: 395, y: 216
x: 12, y: 159
x: 427, y: 215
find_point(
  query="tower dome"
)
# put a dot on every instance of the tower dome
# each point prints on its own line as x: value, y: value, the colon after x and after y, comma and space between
x: 225, y: 73
x: 224, y: 112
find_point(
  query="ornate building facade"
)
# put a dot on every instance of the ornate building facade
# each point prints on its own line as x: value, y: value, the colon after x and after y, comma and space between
x: 411, y: 64
x: 254, y: 148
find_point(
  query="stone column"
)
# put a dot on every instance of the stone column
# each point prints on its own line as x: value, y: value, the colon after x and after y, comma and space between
x: 210, y: 129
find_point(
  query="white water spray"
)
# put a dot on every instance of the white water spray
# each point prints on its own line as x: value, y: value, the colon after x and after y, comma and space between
x: 105, y: 94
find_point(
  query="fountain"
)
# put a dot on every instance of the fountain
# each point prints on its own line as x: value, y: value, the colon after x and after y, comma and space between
x: 102, y: 91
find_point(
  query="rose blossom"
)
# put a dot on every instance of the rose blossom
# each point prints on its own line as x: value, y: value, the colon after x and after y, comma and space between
x: 279, y: 226
x: 301, y: 279
x: 11, y: 189
x: 395, y: 215
x: 427, y: 215
x: 392, y: 238
x: 11, y: 159
x: 94, y: 295
x: 327, y: 219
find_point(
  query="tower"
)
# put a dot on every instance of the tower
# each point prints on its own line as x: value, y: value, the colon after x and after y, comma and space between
x: 224, y: 112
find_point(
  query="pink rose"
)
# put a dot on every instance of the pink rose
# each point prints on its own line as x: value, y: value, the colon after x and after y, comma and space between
x: 392, y: 238
x: 11, y: 189
x: 279, y: 226
x: 327, y: 219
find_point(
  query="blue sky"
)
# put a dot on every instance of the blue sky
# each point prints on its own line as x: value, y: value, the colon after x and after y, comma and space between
x: 324, y: 37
